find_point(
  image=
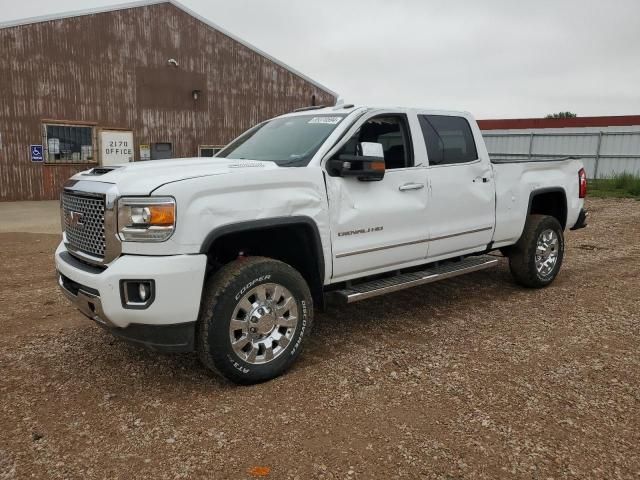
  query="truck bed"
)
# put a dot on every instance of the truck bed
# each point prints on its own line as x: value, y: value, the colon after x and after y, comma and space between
x: 518, y: 180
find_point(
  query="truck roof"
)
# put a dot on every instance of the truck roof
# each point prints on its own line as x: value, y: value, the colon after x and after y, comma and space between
x: 350, y: 108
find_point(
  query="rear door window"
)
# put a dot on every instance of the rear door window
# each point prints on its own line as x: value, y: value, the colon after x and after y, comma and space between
x: 449, y: 139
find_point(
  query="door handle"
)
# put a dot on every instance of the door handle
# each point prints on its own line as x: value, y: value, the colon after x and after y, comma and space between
x: 482, y: 179
x: 411, y: 186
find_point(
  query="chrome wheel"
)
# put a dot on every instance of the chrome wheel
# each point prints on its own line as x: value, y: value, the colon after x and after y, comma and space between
x: 263, y: 323
x: 547, y: 249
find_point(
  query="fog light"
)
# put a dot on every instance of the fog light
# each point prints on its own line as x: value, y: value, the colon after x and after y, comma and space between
x: 137, y: 294
x: 143, y: 291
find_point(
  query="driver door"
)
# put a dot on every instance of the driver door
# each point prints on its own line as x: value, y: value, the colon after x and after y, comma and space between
x: 379, y: 225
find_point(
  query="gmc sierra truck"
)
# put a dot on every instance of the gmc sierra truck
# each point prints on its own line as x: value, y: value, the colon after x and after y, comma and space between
x: 229, y: 256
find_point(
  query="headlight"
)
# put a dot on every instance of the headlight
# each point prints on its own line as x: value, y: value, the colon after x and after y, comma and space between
x: 150, y: 219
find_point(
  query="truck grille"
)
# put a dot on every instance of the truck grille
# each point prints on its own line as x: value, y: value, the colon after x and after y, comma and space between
x: 84, y: 223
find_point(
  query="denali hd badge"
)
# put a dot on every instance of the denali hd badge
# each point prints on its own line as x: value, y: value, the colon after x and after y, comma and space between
x: 359, y: 231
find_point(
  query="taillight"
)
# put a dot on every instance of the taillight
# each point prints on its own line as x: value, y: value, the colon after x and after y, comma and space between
x: 582, y: 182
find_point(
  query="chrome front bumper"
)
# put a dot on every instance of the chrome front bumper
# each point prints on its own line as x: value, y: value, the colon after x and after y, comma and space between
x: 174, y: 338
x: 88, y: 302
x: 168, y: 322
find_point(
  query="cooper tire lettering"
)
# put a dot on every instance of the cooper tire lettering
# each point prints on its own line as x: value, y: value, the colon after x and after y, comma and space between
x: 237, y: 366
x: 251, y: 284
x: 303, y: 327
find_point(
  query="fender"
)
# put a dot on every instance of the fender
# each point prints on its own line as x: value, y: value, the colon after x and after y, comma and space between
x: 267, y: 223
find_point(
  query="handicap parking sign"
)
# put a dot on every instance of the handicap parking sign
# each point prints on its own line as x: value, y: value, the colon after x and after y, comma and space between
x: 36, y: 153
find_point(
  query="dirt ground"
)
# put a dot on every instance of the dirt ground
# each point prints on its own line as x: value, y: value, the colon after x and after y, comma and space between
x: 32, y: 217
x: 474, y: 377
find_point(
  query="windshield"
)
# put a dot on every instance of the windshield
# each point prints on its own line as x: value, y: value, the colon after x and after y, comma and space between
x: 290, y: 141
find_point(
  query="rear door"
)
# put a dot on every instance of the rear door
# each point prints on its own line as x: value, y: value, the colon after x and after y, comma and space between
x: 461, y: 213
x: 379, y: 225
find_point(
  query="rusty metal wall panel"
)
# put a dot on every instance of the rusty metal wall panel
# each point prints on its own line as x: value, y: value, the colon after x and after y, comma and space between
x: 111, y: 69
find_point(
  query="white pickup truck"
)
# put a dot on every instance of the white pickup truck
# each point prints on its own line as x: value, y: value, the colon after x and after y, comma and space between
x: 228, y: 256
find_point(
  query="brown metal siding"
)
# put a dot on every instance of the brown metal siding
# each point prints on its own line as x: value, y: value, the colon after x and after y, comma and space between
x: 111, y: 69
x: 576, y: 122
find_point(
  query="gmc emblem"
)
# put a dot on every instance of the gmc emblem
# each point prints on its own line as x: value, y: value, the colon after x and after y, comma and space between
x: 74, y: 219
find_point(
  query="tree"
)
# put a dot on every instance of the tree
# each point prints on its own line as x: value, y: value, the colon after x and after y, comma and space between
x: 562, y: 115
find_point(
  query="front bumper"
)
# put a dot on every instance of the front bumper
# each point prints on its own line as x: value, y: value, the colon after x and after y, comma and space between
x: 167, y: 324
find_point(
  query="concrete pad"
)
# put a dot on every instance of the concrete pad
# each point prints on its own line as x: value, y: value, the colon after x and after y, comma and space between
x: 30, y: 217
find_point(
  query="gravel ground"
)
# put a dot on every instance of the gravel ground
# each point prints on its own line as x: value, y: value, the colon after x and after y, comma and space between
x: 469, y: 378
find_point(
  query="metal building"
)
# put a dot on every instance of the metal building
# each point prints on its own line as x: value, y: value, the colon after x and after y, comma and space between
x: 132, y: 82
x: 607, y: 145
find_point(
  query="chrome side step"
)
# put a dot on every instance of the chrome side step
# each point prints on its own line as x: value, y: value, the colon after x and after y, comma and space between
x: 362, y: 291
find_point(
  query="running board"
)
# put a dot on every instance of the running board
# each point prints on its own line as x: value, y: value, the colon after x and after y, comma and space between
x: 362, y: 291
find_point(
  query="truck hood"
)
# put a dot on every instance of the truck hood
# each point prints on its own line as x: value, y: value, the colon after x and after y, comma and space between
x: 141, y: 178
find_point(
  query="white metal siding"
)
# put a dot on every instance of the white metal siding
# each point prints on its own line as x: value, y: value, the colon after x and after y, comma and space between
x: 605, y: 151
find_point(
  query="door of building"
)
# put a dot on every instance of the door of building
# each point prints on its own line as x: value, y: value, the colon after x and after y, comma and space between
x: 161, y: 151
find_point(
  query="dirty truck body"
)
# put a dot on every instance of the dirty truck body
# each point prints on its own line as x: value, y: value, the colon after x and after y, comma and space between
x: 229, y: 256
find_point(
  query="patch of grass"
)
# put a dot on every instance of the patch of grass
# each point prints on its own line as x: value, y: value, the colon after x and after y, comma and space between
x: 621, y: 185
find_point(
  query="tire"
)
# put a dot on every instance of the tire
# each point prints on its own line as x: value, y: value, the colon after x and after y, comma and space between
x: 528, y: 268
x: 239, y: 324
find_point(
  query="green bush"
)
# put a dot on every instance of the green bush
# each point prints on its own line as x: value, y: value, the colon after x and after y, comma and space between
x: 623, y: 181
x: 618, y: 185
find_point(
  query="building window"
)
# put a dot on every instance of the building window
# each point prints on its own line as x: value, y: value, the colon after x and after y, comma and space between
x: 209, y: 150
x: 69, y: 144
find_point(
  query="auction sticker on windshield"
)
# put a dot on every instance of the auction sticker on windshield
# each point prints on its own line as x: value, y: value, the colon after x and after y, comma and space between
x: 326, y: 120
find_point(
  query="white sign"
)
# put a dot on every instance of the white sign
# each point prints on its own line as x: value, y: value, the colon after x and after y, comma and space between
x: 116, y: 147
x: 145, y: 152
x: 86, y: 152
x: 326, y: 120
x: 54, y: 146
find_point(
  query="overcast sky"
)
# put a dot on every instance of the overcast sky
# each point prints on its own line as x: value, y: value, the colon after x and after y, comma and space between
x: 494, y: 58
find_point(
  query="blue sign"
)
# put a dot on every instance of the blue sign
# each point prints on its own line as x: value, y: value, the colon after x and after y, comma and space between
x: 36, y: 153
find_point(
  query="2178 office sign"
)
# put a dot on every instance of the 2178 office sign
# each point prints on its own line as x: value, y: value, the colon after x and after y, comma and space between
x: 116, y: 146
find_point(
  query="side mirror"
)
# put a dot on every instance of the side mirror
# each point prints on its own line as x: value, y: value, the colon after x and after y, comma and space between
x: 367, y: 166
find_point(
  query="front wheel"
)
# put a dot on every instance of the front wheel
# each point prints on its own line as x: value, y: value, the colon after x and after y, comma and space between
x: 536, y: 259
x: 254, y: 317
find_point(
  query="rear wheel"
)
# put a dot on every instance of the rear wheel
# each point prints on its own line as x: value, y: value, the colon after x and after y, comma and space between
x: 537, y: 257
x: 254, y: 317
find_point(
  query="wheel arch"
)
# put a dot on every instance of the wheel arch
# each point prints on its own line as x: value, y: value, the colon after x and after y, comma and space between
x: 295, y: 240
x: 550, y: 201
